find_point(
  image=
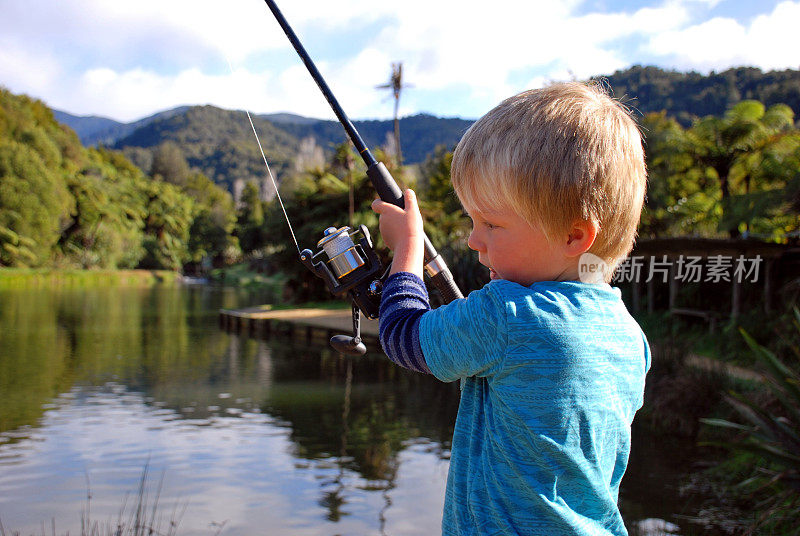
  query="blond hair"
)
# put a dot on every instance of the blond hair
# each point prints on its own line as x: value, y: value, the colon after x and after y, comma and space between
x: 557, y: 155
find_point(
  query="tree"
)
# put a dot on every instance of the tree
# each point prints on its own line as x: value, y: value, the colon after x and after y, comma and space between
x: 105, y: 228
x: 447, y: 225
x: 681, y: 199
x: 169, y: 216
x: 34, y: 203
x: 732, y: 148
x: 211, y: 233
x: 250, y: 220
x: 36, y: 154
x: 169, y: 164
x: 396, y: 85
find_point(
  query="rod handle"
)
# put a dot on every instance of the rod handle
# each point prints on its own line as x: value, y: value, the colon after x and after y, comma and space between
x: 390, y: 192
x: 447, y: 286
x: 385, y: 185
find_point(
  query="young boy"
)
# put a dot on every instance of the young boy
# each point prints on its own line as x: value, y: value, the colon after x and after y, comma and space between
x: 552, y: 367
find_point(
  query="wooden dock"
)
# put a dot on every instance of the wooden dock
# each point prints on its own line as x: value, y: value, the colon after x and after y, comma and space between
x: 313, y: 323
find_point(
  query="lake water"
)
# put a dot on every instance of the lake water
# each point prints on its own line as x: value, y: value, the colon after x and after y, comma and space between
x: 238, y: 436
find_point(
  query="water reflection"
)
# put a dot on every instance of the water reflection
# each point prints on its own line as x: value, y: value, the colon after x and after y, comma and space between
x: 254, y: 436
x: 249, y: 433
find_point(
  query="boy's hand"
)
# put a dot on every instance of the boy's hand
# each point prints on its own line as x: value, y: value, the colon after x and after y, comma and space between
x: 402, y: 232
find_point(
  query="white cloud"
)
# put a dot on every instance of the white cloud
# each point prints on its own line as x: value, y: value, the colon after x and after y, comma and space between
x: 768, y: 42
x: 135, y: 93
x: 26, y: 71
x: 129, y: 59
x: 773, y: 38
x: 480, y: 47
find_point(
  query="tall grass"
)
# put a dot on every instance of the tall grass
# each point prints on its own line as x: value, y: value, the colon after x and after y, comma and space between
x: 141, y: 518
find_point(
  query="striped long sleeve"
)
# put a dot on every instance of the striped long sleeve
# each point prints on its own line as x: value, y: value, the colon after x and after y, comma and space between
x: 403, y: 302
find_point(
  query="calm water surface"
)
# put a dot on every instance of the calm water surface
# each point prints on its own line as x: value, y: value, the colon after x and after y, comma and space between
x: 239, y: 436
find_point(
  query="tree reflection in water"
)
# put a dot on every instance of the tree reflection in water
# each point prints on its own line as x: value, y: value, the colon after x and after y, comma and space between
x: 100, y: 380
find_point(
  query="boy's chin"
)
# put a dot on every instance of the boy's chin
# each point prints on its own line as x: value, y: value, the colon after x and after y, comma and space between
x: 493, y: 275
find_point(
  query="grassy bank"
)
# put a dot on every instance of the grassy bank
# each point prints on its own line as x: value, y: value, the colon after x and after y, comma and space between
x: 724, y: 343
x: 243, y: 276
x: 17, y: 278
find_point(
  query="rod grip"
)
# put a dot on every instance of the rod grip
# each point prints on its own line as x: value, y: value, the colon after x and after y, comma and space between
x: 385, y: 185
x: 390, y: 192
x: 447, y: 286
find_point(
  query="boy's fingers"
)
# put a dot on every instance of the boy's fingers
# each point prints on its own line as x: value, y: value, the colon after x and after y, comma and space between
x: 378, y: 205
x: 410, y: 198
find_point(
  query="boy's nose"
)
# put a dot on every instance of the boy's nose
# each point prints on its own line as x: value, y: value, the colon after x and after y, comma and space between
x: 473, y: 242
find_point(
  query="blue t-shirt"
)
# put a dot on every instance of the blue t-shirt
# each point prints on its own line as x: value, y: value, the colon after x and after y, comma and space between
x: 553, y: 374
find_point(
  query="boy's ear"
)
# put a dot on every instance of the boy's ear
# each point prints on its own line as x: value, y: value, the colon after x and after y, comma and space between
x: 581, y: 237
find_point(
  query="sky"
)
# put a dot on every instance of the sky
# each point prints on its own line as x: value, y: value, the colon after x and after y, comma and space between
x: 127, y: 60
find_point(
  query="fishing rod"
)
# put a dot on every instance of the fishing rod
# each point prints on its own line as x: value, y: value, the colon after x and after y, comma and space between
x: 344, y: 273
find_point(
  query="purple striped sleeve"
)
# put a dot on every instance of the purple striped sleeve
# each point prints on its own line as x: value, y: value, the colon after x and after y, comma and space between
x: 403, y: 301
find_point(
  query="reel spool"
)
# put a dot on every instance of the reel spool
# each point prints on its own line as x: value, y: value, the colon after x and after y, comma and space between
x: 341, y: 251
x: 351, y: 269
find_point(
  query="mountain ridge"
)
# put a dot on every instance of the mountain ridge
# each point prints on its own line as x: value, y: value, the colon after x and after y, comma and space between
x: 219, y: 142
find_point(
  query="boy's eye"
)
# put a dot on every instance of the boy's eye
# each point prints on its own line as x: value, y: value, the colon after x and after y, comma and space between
x: 489, y: 225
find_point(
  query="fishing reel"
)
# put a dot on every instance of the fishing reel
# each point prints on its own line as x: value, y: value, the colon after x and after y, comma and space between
x: 352, y: 270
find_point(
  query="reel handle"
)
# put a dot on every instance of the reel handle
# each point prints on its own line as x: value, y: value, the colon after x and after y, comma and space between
x: 351, y: 345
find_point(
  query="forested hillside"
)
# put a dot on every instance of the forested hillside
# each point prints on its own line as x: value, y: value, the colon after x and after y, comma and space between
x: 419, y: 134
x: 95, y: 130
x: 168, y: 203
x: 219, y: 143
x: 63, y: 205
x: 688, y: 96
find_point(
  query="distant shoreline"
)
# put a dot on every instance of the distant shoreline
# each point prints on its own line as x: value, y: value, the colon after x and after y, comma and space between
x: 19, y: 278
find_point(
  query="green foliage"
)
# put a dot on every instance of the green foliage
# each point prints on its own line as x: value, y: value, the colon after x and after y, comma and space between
x: 169, y: 216
x: 748, y: 150
x: 726, y: 175
x: 250, y: 220
x: 64, y: 205
x: 676, y: 198
x: 36, y: 154
x: 105, y: 229
x: 169, y: 164
x: 447, y: 225
x: 16, y: 249
x: 687, y: 96
x: 211, y: 235
x: 770, y: 433
x: 34, y: 203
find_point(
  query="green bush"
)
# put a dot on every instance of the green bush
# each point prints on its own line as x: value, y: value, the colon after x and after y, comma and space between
x: 767, y: 432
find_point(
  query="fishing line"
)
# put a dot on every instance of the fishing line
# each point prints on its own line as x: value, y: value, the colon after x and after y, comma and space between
x: 269, y: 171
